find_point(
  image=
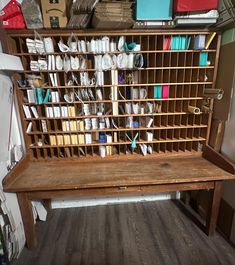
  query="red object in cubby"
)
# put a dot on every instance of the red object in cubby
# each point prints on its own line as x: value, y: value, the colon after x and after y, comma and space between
x: 194, y: 5
x: 16, y: 22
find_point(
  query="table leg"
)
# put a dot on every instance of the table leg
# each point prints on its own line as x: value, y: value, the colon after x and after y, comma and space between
x: 214, y: 209
x: 28, y: 219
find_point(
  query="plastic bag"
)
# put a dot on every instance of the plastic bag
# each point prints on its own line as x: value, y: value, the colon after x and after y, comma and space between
x: 32, y: 14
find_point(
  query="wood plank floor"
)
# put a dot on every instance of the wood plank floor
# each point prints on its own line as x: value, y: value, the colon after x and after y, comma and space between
x: 145, y: 233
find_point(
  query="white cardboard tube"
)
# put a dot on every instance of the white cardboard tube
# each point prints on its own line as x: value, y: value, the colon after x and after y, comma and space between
x: 194, y: 110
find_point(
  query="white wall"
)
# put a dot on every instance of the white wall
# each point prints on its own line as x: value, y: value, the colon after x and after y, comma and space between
x: 15, y: 139
x: 10, y: 199
x: 4, y: 2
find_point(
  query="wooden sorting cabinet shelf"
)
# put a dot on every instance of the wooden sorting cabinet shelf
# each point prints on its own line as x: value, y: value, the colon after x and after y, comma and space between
x: 141, y: 93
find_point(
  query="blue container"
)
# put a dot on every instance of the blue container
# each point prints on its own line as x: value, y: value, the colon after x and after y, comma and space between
x: 154, y: 10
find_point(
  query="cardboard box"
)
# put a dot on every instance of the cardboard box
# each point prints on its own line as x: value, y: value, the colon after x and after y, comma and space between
x: 55, y: 13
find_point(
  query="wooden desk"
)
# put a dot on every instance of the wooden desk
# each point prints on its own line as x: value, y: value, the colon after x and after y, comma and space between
x: 46, y: 180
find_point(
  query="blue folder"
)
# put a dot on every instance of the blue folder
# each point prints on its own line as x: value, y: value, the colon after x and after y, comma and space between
x: 157, y: 91
x: 203, y: 58
x: 180, y: 42
x: 154, y: 10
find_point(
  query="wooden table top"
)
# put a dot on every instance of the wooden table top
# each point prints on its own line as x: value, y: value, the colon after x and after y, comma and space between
x: 66, y: 175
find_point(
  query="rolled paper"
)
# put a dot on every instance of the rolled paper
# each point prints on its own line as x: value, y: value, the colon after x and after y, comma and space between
x: 194, y: 110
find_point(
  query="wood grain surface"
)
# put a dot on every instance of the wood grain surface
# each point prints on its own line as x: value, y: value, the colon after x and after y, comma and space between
x: 115, y: 173
x: 149, y: 233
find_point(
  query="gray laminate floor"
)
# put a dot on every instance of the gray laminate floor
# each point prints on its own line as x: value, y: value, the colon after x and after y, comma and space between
x: 146, y: 233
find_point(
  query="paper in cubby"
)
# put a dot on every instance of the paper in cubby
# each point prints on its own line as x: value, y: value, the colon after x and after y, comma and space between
x: 199, y: 42
x: 180, y: 42
x: 203, y: 58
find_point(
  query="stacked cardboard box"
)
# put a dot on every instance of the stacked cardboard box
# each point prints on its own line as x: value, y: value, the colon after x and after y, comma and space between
x: 81, y: 13
x: 113, y: 14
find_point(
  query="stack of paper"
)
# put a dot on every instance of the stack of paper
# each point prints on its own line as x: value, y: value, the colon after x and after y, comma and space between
x: 113, y: 14
x: 167, y: 42
x: 197, y: 18
x: 199, y: 42
x: 154, y: 24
